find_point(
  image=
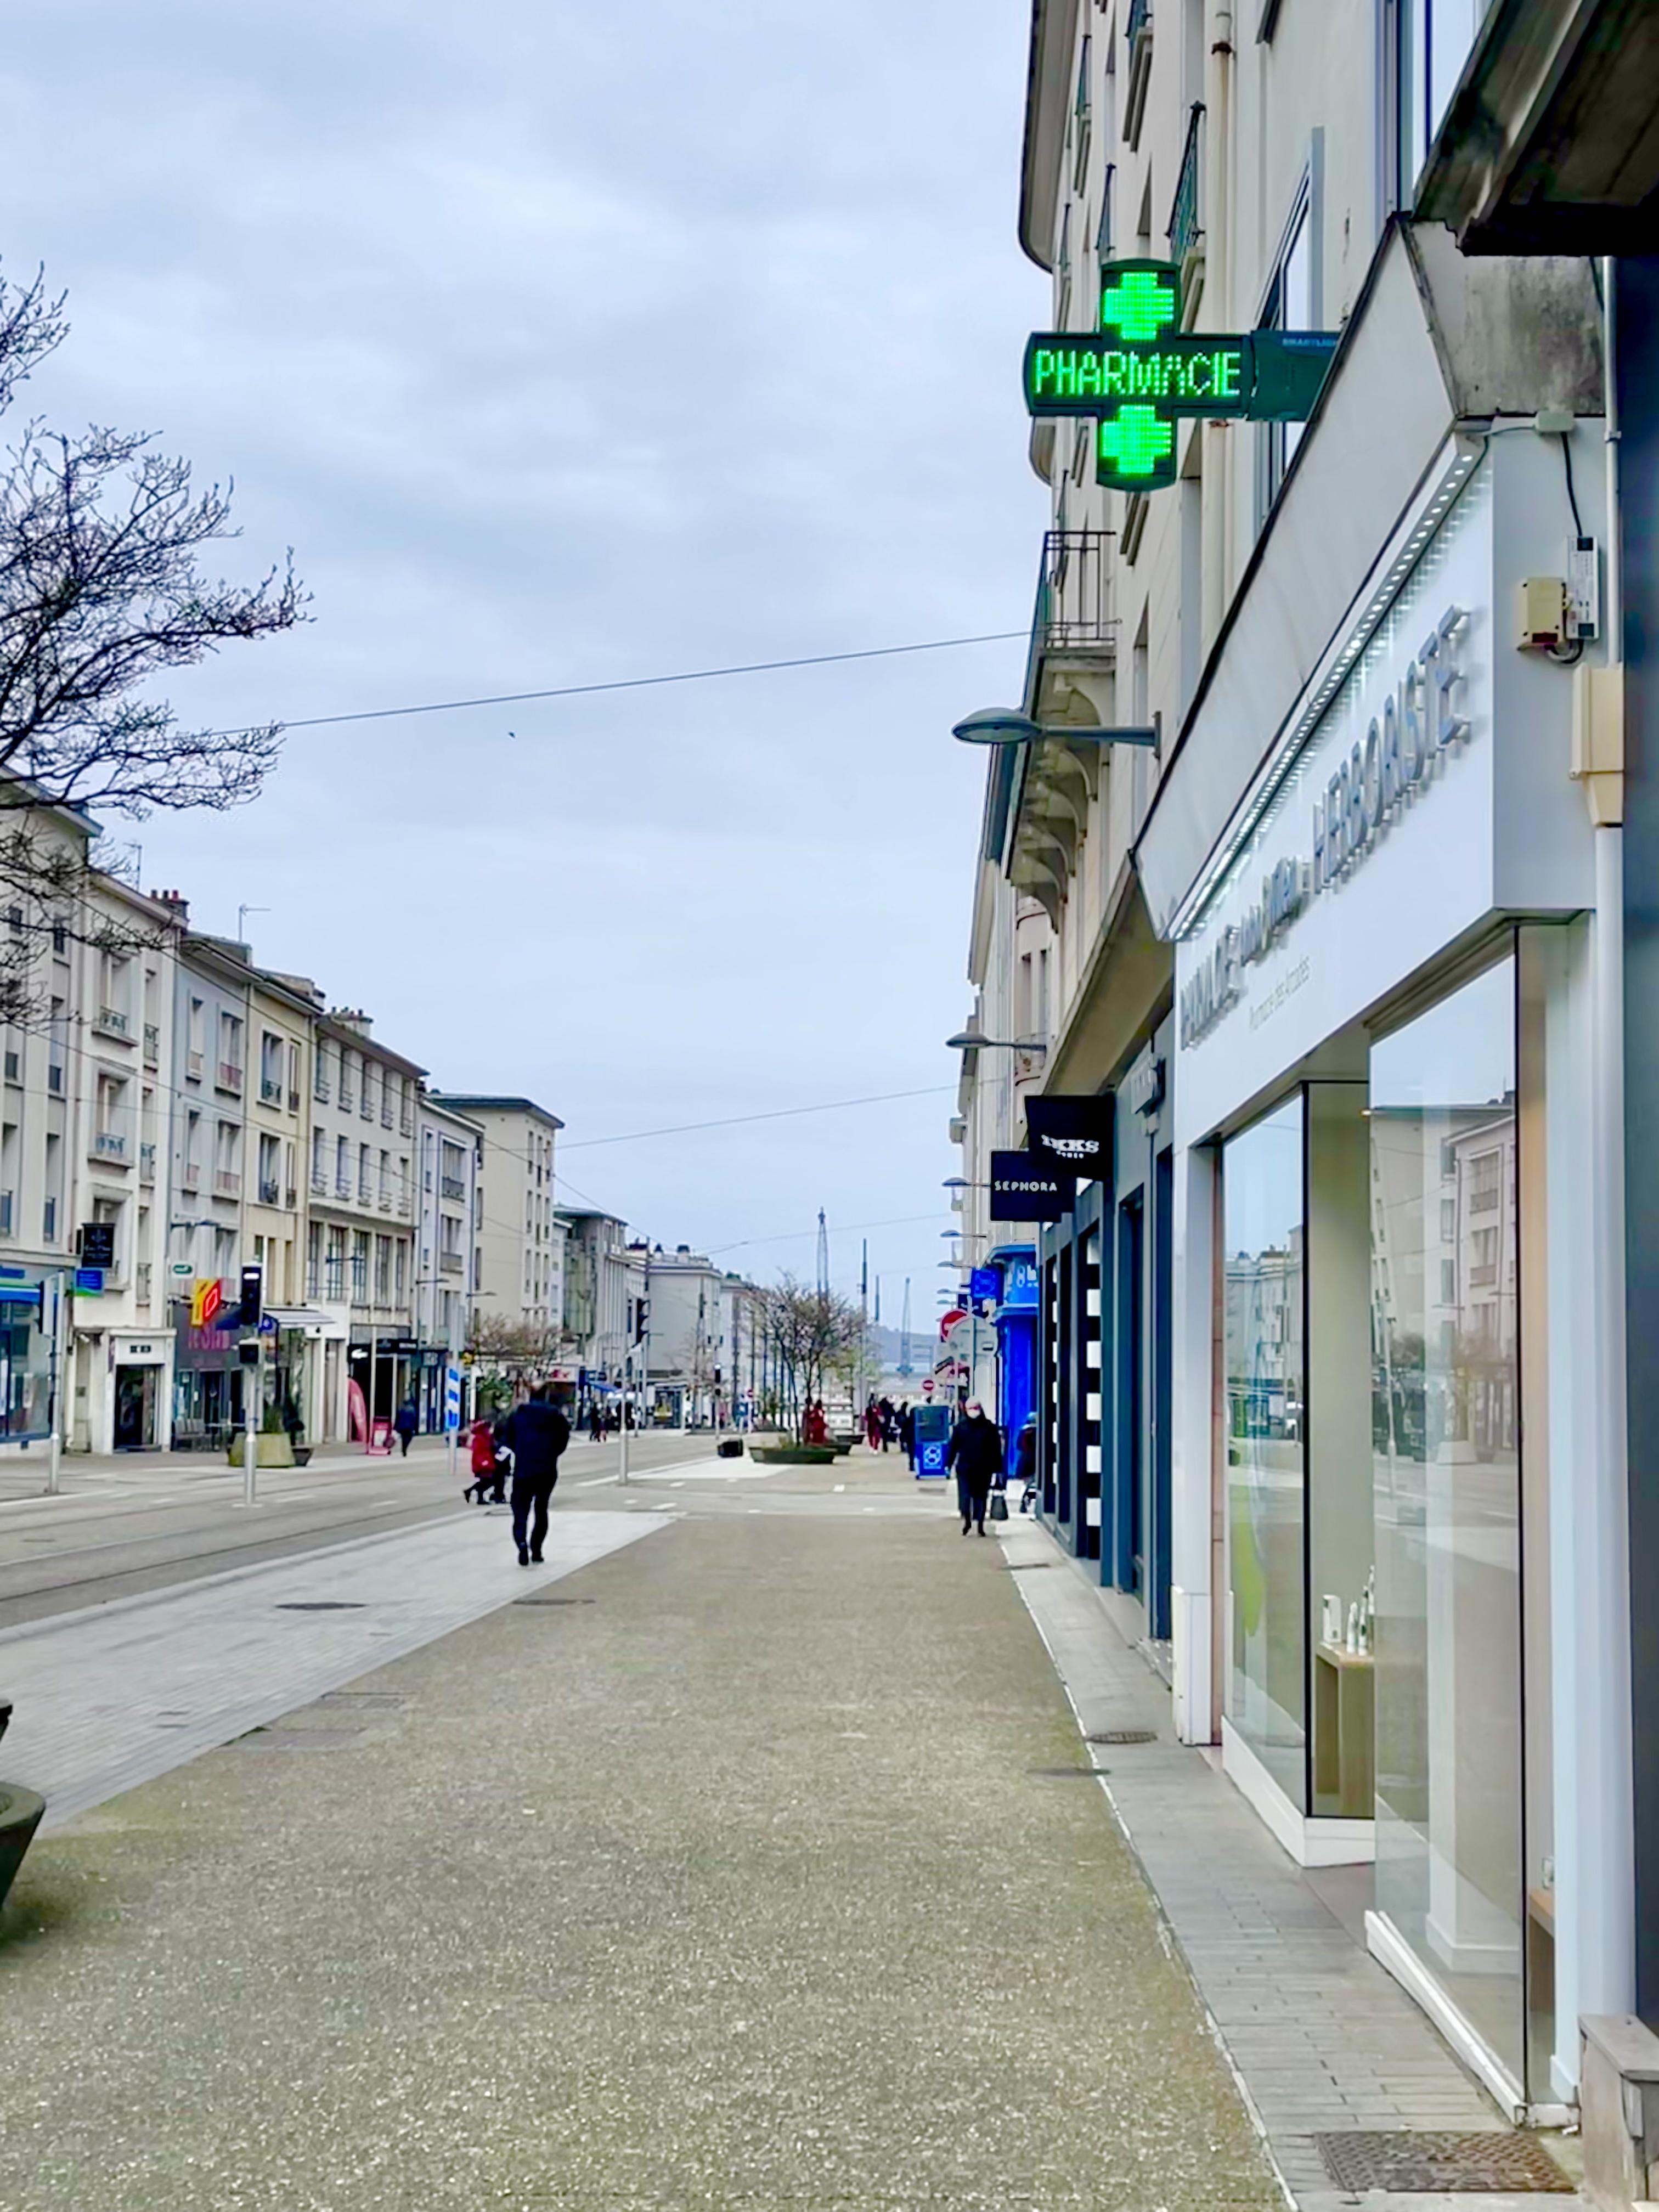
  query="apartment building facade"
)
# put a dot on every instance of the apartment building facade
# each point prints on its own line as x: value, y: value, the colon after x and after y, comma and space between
x: 360, y: 1230
x: 1318, y: 892
x: 596, y: 1308
x: 520, y: 1240
x: 450, y: 1150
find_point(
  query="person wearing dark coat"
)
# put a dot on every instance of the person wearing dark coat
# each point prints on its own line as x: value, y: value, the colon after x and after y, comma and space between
x: 405, y: 1421
x: 537, y: 1434
x: 975, y: 1453
x: 1025, y: 1463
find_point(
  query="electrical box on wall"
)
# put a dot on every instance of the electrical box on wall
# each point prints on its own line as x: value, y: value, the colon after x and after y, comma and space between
x: 1541, y: 614
x: 1584, y: 591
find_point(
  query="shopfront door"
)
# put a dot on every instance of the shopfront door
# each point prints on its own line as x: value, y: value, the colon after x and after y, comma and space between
x: 136, y: 1393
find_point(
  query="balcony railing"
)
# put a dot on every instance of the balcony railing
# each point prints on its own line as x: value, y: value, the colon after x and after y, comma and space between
x: 319, y: 1181
x: 365, y: 1194
x: 271, y: 1192
x: 1484, y: 1201
x: 402, y: 1205
x: 108, y: 1145
x: 113, y: 1022
x: 271, y: 1091
x: 190, y: 1177
x: 230, y: 1076
x: 146, y: 1162
x: 406, y: 1121
x: 452, y: 1187
x: 1186, y: 213
x: 348, y: 1096
x: 451, y: 1263
x: 227, y: 1182
x: 386, y: 1202
x: 343, y: 1185
x: 1074, y: 599
x: 319, y: 1085
x: 152, y: 1043
x: 144, y: 1281
x: 385, y: 1114
x: 194, y: 1063
x: 1483, y: 1277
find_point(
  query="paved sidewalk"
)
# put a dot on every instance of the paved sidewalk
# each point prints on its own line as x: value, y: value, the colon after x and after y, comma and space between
x: 1324, y: 2039
x: 761, y: 1872
x: 117, y: 1695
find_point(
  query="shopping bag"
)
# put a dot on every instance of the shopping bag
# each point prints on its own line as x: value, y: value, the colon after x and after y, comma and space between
x: 999, y: 1506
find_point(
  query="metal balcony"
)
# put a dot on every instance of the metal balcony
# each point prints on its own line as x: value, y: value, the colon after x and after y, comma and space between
x: 1073, y: 635
x: 319, y: 1181
x: 452, y: 1187
x: 1186, y: 231
x: 152, y: 1044
x: 194, y: 1063
x: 270, y: 1093
x: 113, y: 1022
x: 451, y: 1263
x: 229, y: 1077
x: 227, y: 1182
x: 108, y: 1145
x: 146, y: 1162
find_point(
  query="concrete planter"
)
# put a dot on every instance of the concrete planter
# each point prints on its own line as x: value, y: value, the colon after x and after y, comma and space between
x: 276, y: 1450
x: 793, y: 1455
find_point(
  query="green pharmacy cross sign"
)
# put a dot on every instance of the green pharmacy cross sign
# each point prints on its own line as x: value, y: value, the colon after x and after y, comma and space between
x: 1143, y: 372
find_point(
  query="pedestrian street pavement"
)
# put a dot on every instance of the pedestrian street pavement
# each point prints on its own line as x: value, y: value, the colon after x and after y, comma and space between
x: 118, y: 1695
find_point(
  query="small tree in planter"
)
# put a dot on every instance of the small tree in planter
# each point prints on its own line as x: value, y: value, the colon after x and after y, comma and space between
x: 814, y: 1334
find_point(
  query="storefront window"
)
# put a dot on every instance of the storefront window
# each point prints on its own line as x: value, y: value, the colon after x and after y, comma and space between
x: 1446, y: 1432
x: 1263, y: 1202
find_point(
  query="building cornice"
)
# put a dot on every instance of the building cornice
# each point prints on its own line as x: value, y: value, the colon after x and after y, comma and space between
x: 1048, y: 95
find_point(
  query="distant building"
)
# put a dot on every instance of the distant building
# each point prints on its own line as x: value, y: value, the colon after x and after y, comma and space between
x: 448, y: 1149
x: 518, y: 1265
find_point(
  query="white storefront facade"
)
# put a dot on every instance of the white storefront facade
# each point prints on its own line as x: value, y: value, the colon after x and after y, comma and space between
x: 1394, y: 1528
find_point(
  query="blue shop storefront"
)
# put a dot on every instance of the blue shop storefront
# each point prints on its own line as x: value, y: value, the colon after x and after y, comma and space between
x: 1104, y: 1345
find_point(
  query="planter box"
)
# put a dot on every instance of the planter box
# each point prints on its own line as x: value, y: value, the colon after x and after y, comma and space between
x: 274, y: 1450
x: 793, y: 1455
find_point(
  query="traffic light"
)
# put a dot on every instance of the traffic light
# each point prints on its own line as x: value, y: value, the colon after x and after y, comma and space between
x: 252, y: 1285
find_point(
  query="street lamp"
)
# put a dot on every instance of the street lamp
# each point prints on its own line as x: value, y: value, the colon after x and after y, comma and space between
x: 972, y: 1041
x: 1006, y: 725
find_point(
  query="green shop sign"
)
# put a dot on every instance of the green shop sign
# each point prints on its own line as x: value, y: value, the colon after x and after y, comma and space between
x: 1143, y: 373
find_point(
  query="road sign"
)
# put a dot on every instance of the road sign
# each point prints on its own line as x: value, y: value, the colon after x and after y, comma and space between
x: 183, y: 1267
x: 452, y: 1397
x: 205, y: 1301
x: 89, y: 1279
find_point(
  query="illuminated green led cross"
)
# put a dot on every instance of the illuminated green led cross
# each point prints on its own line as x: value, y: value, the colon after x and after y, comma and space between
x: 1137, y: 444
x: 1140, y: 304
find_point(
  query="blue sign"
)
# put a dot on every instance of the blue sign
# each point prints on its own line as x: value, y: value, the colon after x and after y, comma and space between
x: 933, y: 1430
x: 451, y: 1398
x: 986, y: 1283
x: 930, y: 1458
x: 1019, y: 1285
x: 89, y: 1279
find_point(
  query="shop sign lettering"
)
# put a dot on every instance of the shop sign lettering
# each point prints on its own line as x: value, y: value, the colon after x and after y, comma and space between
x: 1417, y: 726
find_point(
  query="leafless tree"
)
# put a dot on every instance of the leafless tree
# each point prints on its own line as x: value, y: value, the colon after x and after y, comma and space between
x: 102, y: 592
x: 813, y: 1335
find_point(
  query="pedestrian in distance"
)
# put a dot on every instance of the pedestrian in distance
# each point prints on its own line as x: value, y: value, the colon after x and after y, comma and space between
x: 1025, y: 1463
x: 537, y: 1434
x: 906, y: 1429
x: 889, y: 1424
x: 406, y: 1421
x: 872, y: 1423
x: 481, y: 1455
x: 975, y: 1453
x: 596, y: 1423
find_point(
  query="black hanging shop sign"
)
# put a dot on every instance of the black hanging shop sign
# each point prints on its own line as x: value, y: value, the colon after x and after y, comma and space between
x: 1075, y: 1134
x: 1024, y: 1187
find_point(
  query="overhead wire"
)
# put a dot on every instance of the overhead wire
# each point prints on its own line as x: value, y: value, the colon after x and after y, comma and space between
x: 620, y: 683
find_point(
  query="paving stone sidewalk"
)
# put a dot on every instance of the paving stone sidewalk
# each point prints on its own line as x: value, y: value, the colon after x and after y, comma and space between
x: 757, y: 1866
x: 1325, y: 2041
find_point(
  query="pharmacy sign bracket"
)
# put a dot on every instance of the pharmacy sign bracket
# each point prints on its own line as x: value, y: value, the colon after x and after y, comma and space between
x: 1141, y: 373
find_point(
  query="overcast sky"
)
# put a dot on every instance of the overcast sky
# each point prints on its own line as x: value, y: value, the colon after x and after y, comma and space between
x: 567, y: 344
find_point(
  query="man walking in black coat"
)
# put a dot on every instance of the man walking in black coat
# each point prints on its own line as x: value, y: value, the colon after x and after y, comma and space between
x: 976, y: 1452
x: 537, y: 1434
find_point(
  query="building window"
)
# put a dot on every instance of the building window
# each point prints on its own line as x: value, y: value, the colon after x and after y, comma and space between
x: 1292, y: 304
x: 382, y: 1271
x: 1434, y: 39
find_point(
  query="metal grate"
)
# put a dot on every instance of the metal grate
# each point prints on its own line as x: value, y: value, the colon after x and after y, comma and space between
x: 320, y: 1605
x: 369, y: 1701
x: 554, y: 1601
x: 1122, y: 1736
x: 302, y: 1739
x: 1423, y: 2165
x: 1067, y: 1773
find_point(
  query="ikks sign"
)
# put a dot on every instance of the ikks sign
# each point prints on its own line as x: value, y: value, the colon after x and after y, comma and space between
x: 1074, y: 1134
x: 1417, y: 725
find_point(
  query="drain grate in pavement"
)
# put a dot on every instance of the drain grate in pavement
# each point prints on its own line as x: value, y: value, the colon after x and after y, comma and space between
x: 1427, y: 2164
x: 1030, y: 1566
x: 368, y: 1701
x: 321, y: 1604
x: 1122, y: 1736
x: 301, y: 1739
x: 1068, y: 1773
x: 555, y: 1601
